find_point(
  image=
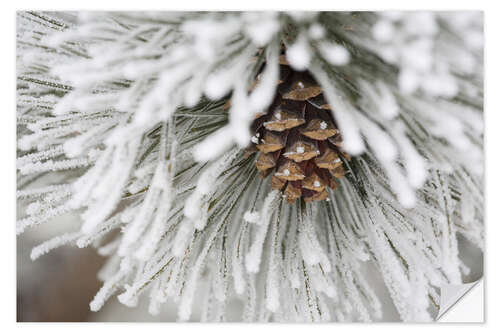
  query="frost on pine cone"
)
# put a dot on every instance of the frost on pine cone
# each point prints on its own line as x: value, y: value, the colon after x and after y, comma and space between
x: 298, y: 140
x: 140, y: 124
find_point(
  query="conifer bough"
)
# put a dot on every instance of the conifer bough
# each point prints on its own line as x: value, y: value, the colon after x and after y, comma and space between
x: 141, y: 124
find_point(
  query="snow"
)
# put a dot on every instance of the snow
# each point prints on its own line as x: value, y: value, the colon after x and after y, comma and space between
x: 260, y: 27
x: 316, y: 31
x: 342, y: 112
x: 335, y: 54
x: 408, y: 81
x: 253, y: 257
x: 109, y: 199
x: 252, y: 217
x: 53, y: 243
x: 213, y: 146
x: 310, y: 248
x: 383, y: 31
x: 109, y: 287
x: 299, y: 54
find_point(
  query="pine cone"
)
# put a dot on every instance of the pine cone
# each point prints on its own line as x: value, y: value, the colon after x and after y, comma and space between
x: 298, y: 140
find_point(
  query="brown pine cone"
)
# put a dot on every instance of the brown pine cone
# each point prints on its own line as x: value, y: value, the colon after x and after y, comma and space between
x: 298, y: 140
